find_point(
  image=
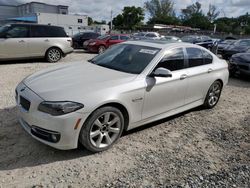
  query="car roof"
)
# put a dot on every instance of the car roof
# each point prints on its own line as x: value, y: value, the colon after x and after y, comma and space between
x: 162, y: 44
x: 33, y: 24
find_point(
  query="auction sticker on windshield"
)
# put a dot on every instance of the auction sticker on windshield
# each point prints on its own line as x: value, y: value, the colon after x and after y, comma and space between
x: 147, y: 51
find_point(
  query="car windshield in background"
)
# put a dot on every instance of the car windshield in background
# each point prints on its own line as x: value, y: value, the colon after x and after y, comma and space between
x: 243, y: 43
x: 127, y: 58
x: 103, y: 37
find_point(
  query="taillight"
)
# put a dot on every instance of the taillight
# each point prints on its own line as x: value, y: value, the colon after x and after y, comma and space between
x: 71, y: 42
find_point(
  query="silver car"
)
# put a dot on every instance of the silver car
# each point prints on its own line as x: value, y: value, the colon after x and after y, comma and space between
x: 19, y: 41
x: 131, y: 84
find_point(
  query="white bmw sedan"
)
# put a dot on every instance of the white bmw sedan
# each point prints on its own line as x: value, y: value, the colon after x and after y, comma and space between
x: 131, y: 84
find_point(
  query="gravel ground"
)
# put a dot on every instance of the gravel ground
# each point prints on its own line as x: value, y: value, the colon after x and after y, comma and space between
x: 198, y: 148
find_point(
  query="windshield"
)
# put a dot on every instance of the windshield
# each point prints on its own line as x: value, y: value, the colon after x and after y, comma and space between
x: 103, y: 37
x: 242, y: 43
x: 3, y: 30
x: 127, y: 58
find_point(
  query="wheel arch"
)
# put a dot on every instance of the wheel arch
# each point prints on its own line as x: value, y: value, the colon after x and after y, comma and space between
x: 55, y: 47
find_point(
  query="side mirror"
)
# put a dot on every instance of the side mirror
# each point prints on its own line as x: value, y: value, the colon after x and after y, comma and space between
x: 161, y: 72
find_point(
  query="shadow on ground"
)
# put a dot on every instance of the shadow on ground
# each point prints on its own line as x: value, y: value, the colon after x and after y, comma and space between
x: 18, y: 149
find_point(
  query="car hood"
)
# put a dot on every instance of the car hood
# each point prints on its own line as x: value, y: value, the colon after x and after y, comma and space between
x: 68, y: 82
x: 241, y: 58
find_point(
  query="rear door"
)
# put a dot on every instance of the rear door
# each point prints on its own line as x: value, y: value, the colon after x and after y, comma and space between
x: 165, y: 94
x: 200, y: 74
x: 39, y: 41
x: 15, y: 44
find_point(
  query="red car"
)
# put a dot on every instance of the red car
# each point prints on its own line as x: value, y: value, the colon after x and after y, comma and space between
x: 100, y: 44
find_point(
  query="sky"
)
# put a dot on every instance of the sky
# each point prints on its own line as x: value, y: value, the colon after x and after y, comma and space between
x: 101, y: 9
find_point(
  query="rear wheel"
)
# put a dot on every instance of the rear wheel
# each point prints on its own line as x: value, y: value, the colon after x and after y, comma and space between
x: 213, y: 95
x: 53, y: 55
x: 102, y: 129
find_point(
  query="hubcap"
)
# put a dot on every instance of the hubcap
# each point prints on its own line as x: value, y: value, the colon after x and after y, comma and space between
x: 105, y: 130
x: 214, y: 94
x: 54, y: 55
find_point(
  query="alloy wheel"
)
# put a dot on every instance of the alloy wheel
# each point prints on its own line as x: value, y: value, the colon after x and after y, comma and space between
x: 105, y: 130
x: 214, y: 94
x: 54, y: 55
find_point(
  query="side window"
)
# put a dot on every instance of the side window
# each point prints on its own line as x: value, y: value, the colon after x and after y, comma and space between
x: 38, y: 31
x: 122, y: 37
x: 56, y: 32
x: 207, y: 57
x: 114, y: 37
x: 18, y: 32
x: 151, y: 35
x: 173, y: 60
x: 195, y: 57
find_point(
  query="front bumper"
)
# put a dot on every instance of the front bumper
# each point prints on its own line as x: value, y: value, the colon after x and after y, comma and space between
x: 57, y: 131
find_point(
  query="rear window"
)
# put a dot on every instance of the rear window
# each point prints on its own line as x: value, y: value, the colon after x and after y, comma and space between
x: 46, y: 31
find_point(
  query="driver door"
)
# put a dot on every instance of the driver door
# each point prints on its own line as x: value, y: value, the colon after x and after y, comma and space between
x: 114, y: 40
x: 165, y: 94
x: 15, y: 45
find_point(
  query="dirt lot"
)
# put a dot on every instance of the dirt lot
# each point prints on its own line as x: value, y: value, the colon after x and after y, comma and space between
x: 199, y: 148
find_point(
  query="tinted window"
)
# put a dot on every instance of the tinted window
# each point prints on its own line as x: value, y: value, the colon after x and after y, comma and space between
x: 173, y: 60
x: 18, y: 32
x: 126, y: 58
x: 124, y: 37
x: 114, y: 38
x: 195, y: 57
x: 151, y: 35
x: 208, y: 58
x: 46, y: 31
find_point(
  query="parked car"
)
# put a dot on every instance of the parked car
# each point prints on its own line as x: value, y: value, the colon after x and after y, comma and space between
x: 240, y: 64
x: 171, y: 38
x: 80, y: 38
x: 240, y: 46
x: 19, y: 41
x: 223, y: 44
x: 100, y: 44
x: 146, y: 35
x: 204, y: 41
x: 129, y: 85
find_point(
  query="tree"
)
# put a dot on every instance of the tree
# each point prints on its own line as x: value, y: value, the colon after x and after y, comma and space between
x: 130, y: 18
x: 190, y: 10
x: 161, y: 12
x: 90, y: 21
x: 212, y: 13
x: 198, y: 20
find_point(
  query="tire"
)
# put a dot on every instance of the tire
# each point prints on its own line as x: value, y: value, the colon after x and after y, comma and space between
x: 101, y: 49
x: 213, y: 95
x: 102, y: 129
x: 53, y: 55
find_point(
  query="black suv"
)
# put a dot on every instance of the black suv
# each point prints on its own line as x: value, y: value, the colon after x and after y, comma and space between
x: 80, y: 38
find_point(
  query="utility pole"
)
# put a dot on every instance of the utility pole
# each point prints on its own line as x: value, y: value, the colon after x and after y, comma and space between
x: 111, y: 22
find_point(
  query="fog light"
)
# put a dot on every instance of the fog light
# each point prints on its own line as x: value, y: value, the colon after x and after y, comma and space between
x: 54, y: 138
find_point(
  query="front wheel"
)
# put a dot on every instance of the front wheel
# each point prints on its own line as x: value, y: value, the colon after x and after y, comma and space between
x: 213, y: 95
x: 101, y: 49
x: 102, y: 129
x: 53, y: 55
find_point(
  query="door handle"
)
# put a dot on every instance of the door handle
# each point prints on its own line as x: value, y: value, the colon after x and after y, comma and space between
x: 21, y: 41
x: 209, y: 70
x: 183, y: 77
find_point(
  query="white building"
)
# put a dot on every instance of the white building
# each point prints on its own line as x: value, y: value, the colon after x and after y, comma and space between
x: 71, y: 23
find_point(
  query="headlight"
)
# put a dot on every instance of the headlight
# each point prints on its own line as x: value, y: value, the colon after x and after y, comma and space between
x: 92, y: 43
x: 59, y: 108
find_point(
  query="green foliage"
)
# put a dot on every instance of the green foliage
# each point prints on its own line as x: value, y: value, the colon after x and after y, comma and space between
x: 198, y: 20
x: 90, y: 21
x: 130, y: 18
x: 194, y: 9
x: 161, y: 12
